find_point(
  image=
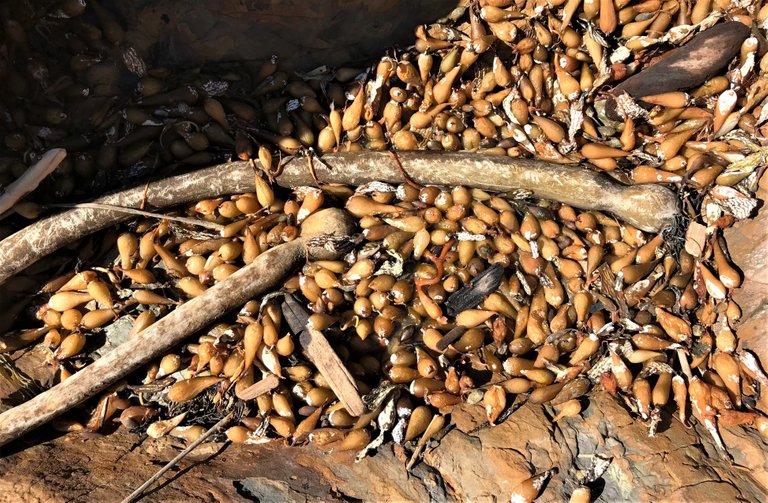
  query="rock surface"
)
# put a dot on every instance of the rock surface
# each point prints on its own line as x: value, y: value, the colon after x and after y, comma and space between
x: 748, y: 246
x: 304, y: 35
x: 678, y: 464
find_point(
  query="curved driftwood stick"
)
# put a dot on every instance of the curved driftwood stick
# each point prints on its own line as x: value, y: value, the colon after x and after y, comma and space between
x: 31, y: 178
x: 263, y: 274
x: 648, y: 207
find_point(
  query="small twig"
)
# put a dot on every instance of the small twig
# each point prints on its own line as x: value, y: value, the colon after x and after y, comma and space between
x: 29, y: 181
x: 415, y: 457
x: 139, y: 492
x: 132, y: 211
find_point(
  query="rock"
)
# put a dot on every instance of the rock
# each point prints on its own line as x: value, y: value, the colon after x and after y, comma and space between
x: 748, y: 245
x: 678, y: 464
x: 304, y: 35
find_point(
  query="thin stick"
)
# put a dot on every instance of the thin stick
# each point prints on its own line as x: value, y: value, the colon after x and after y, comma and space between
x: 138, y: 493
x: 31, y: 178
x: 132, y: 211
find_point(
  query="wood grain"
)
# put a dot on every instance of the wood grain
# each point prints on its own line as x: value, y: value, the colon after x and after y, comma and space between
x: 321, y: 354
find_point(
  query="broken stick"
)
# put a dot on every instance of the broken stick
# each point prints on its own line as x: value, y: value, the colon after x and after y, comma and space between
x: 257, y: 389
x: 321, y: 354
x: 319, y: 351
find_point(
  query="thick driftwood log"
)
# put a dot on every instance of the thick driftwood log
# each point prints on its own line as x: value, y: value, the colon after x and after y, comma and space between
x: 263, y: 274
x: 648, y: 207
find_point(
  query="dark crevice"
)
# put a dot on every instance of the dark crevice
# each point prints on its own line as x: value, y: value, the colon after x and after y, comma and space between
x: 243, y: 491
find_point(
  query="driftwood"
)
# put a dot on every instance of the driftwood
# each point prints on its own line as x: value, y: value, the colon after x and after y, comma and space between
x: 319, y: 351
x: 321, y: 354
x: 264, y: 386
x: 263, y: 274
x: 649, y: 207
x: 29, y: 181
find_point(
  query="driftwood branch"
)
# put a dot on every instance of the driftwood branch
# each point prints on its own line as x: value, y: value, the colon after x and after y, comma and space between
x: 29, y: 181
x: 648, y: 207
x: 263, y: 274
